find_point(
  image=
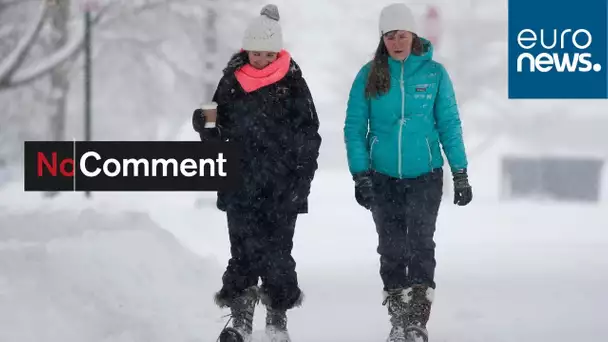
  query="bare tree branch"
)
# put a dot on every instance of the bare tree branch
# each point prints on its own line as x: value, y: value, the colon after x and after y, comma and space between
x: 14, y: 60
x: 152, y: 46
x: 11, y: 76
x: 150, y: 5
x: 21, y: 77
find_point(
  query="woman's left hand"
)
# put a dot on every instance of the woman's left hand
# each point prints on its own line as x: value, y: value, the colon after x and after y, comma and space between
x: 364, y: 193
x: 463, y: 193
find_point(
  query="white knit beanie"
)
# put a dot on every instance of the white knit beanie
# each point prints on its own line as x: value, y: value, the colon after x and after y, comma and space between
x: 264, y: 32
x: 396, y: 16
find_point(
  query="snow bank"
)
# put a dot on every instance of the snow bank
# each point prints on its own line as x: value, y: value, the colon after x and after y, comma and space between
x: 82, y: 275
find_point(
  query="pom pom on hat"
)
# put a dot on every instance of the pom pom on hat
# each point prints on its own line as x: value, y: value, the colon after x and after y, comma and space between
x: 271, y: 11
x: 264, y: 33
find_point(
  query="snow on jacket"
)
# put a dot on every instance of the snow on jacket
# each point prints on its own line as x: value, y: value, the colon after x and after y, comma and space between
x: 406, y: 124
x: 272, y: 114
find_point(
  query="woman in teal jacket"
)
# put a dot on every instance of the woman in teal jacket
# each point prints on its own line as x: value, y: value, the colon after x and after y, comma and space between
x: 401, y: 111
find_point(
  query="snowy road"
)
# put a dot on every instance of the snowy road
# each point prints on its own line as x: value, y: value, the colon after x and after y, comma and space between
x: 509, y: 272
x: 497, y: 309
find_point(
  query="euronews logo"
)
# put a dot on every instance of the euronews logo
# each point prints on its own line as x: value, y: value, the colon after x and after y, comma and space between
x: 557, y: 52
x: 564, y: 51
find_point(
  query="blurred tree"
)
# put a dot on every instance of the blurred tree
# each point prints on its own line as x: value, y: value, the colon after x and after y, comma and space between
x: 42, y: 40
x: 153, y: 61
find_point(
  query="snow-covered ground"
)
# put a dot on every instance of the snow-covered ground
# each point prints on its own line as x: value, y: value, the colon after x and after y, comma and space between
x: 77, y: 276
x: 143, y: 267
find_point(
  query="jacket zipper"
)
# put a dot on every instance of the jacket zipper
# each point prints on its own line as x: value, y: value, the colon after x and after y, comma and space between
x: 371, y: 149
x: 402, y: 121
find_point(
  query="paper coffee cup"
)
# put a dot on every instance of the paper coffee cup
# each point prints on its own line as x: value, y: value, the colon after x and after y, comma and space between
x: 209, y: 113
x: 209, y: 106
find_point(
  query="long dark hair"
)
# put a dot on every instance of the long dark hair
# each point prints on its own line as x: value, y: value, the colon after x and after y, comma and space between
x: 379, y: 79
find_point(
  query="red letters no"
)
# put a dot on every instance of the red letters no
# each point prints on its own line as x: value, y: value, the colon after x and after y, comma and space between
x: 64, y: 163
x: 51, y: 167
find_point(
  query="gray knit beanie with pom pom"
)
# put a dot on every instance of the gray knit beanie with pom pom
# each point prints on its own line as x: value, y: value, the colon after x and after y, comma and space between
x: 264, y: 32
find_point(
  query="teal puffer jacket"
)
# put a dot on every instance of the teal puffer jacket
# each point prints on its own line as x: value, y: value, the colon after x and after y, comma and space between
x: 399, y: 133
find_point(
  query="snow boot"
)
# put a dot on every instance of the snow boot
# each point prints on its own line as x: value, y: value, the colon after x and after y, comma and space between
x: 418, y: 313
x: 397, y: 304
x: 242, y: 309
x: 276, y: 316
x: 276, y: 326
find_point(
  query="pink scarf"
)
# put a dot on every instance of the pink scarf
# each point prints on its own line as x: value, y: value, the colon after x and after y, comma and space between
x: 252, y: 79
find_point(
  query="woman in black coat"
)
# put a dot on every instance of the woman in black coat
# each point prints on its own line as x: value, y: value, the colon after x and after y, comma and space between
x: 263, y: 103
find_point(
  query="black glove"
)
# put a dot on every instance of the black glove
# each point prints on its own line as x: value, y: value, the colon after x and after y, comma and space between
x: 463, y: 193
x: 206, y: 134
x: 363, y: 189
x: 198, y: 120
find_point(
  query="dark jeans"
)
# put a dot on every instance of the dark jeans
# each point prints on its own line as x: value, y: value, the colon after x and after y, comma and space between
x: 405, y: 212
x: 260, y: 246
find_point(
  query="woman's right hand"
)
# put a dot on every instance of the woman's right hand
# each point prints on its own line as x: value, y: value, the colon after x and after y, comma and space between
x: 206, y: 130
x: 364, y: 193
x: 198, y: 120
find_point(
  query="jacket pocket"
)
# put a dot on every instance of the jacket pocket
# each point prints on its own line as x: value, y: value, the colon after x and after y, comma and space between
x: 416, y: 155
x: 428, y: 146
x: 371, y: 150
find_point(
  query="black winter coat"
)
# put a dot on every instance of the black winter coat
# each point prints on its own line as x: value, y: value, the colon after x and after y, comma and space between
x: 277, y: 126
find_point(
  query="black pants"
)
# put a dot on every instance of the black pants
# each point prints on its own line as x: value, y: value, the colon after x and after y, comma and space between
x: 260, y: 246
x: 405, y: 212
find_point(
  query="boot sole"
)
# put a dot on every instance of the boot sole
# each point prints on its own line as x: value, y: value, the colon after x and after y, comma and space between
x: 231, y: 335
x: 412, y: 329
